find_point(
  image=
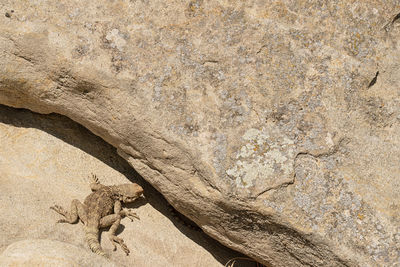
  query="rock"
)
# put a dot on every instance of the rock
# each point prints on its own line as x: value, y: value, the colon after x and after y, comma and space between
x: 258, y: 120
x: 44, y: 252
x: 46, y: 160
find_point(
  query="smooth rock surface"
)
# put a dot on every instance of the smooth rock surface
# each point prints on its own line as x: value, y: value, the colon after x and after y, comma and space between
x: 46, y: 160
x: 265, y: 122
x: 44, y: 252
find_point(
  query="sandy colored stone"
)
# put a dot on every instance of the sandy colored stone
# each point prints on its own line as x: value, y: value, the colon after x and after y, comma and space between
x: 257, y: 119
x: 44, y: 252
x: 46, y: 160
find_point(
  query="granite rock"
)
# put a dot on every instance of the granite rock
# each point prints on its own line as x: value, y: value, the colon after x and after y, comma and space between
x: 274, y: 125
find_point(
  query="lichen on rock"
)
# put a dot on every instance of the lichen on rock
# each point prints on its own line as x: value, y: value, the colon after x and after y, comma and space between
x: 264, y: 162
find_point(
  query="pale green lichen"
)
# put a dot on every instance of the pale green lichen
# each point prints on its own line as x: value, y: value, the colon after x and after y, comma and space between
x: 264, y: 161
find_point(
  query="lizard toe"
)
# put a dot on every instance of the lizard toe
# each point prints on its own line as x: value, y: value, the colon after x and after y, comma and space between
x: 116, y: 240
x: 130, y: 214
x: 58, y: 209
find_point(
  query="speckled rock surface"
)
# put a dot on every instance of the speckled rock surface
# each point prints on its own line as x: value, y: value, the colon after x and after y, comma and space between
x: 266, y: 122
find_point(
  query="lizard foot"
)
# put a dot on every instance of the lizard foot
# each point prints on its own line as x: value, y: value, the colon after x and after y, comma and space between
x: 129, y: 213
x: 94, y: 179
x: 59, y: 210
x: 116, y: 240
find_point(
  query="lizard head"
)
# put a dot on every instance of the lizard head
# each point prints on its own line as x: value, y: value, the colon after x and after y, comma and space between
x: 129, y: 192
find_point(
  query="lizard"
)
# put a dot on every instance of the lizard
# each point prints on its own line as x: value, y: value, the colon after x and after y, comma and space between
x: 102, y: 208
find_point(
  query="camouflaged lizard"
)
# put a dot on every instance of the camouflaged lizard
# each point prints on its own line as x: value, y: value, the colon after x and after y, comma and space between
x: 102, y: 208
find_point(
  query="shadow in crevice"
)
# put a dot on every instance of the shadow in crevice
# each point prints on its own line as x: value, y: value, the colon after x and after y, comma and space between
x: 78, y: 136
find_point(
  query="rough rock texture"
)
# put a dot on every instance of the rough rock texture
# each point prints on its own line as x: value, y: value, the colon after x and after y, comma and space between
x: 46, y: 160
x: 260, y: 120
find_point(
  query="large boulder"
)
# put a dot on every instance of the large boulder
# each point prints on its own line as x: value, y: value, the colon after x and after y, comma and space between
x: 274, y: 125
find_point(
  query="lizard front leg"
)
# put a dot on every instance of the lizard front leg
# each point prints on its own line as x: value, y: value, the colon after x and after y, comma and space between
x: 77, y: 211
x: 95, y: 183
x: 128, y: 213
x: 124, y: 212
x: 114, y: 220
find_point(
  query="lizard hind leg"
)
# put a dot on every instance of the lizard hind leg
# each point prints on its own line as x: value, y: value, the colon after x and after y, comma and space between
x: 77, y: 211
x: 114, y: 220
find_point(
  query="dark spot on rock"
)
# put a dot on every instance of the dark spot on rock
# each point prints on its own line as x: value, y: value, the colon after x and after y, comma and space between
x: 194, y: 8
x: 80, y: 51
x: 85, y: 87
x: 373, y: 81
x: 8, y: 15
x: 396, y: 18
x: 376, y: 112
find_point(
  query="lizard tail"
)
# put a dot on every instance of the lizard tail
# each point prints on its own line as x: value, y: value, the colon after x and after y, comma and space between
x: 92, y: 239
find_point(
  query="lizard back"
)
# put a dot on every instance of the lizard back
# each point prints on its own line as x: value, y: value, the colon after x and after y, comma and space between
x: 99, y: 204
